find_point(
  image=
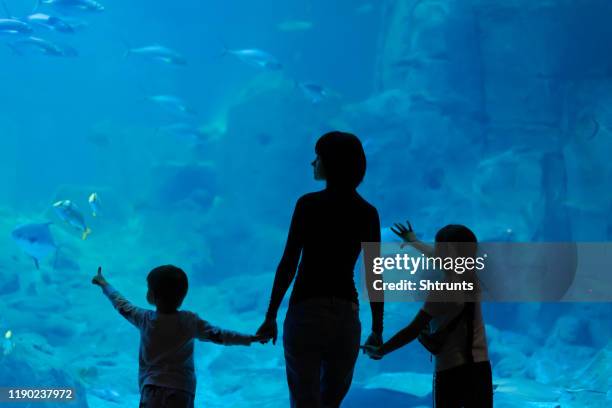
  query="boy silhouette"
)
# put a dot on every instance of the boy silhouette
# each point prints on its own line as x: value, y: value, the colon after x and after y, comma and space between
x: 166, y: 372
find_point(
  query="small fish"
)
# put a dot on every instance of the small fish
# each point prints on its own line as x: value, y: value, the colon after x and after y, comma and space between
x: 69, y: 213
x: 106, y: 394
x: 314, y: 93
x: 94, y: 204
x: 35, y: 240
x: 7, y: 343
x: 50, y: 23
x: 184, y: 131
x: 74, y: 5
x: 13, y: 26
x: 43, y: 46
x: 158, y: 53
x: 294, y: 25
x: 172, y: 104
x: 256, y: 58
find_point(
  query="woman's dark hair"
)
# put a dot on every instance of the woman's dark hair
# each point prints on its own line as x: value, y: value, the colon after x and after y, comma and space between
x: 343, y: 159
x: 169, y: 286
x: 459, y: 234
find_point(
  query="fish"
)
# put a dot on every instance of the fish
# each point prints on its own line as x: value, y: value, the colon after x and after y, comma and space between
x: 13, y: 26
x: 411, y: 383
x: 74, y: 5
x: 294, y: 25
x: 172, y: 104
x: 106, y: 394
x: 35, y: 240
x: 256, y: 58
x: 184, y: 131
x: 70, y: 214
x: 50, y: 22
x: 158, y: 53
x: 7, y: 343
x: 43, y: 46
x: 528, y: 390
x: 313, y: 92
x: 94, y: 204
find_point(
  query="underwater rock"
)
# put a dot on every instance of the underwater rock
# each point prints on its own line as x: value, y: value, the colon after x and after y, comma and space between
x: 504, y: 343
x: 9, y: 281
x: 596, y: 374
x: 180, y: 183
x: 526, y: 389
x: 360, y: 397
x: 570, y: 330
x: 22, y: 371
x: 34, y: 362
x: 513, y: 365
x: 557, y: 361
x: 416, y: 384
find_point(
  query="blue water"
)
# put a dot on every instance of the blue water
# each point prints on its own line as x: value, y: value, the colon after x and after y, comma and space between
x: 494, y: 116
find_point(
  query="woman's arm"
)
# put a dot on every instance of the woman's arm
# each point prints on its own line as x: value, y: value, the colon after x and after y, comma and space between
x: 376, y: 300
x: 285, y: 272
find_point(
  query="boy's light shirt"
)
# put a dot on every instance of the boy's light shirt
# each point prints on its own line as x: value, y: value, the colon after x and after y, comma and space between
x: 166, y: 342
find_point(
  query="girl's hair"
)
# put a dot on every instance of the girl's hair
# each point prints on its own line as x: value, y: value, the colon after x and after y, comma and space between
x: 343, y: 159
x: 460, y: 237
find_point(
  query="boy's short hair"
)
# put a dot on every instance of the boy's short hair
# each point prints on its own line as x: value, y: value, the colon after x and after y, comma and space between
x: 169, y: 285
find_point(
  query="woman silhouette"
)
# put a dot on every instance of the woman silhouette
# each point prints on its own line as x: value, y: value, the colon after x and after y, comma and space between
x: 322, y: 331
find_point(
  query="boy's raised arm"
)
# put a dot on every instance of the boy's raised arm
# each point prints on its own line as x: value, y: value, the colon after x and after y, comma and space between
x: 207, y: 332
x: 132, y: 314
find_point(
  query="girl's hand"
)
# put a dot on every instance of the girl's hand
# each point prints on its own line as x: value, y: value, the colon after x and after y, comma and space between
x: 99, y: 279
x: 405, y: 233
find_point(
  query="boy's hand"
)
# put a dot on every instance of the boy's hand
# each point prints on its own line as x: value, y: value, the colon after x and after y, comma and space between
x: 99, y: 279
x: 406, y: 234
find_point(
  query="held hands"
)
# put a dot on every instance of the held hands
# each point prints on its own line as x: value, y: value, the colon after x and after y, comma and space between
x: 267, y: 331
x: 373, y: 352
x: 258, y: 338
x: 99, y: 279
x: 405, y: 233
x: 372, y: 346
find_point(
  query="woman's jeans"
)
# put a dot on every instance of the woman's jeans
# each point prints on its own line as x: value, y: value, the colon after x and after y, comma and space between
x: 154, y: 396
x: 321, y: 340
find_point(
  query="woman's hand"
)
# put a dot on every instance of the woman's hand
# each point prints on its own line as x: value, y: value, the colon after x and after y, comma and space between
x: 268, y: 330
x: 374, y: 352
x: 99, y: 279
x: 372, y: 345
x: 405, y: 233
